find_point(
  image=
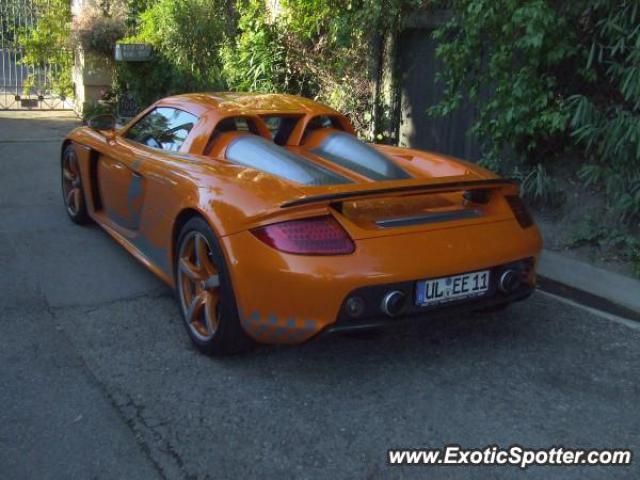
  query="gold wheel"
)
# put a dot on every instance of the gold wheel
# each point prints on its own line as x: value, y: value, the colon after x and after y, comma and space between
x: 198, y: 286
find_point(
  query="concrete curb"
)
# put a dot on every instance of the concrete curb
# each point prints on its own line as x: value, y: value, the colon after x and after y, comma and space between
x: 595, y: 281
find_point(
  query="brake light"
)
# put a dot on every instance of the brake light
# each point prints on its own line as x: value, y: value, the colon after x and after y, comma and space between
x: 310, y: 236
x: 519, y: 210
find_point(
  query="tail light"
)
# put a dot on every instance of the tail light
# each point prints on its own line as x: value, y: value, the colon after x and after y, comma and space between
x: 310, y: 236
x: 519, y: 210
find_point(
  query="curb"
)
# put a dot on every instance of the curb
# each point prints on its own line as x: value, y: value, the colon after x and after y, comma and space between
x: 594, y: 281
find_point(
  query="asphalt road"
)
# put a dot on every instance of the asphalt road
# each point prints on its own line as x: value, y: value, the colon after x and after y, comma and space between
x: 98, y: 379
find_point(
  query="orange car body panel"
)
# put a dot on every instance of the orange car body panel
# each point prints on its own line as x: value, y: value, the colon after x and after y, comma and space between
x: 138, y: 195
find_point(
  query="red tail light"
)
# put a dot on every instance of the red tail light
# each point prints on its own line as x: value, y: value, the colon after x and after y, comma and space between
x: 310, y: 236
x: 519, y: 210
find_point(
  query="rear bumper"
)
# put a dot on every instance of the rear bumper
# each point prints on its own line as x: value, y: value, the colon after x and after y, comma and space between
x: 284, y: 298
x: 345, y: 324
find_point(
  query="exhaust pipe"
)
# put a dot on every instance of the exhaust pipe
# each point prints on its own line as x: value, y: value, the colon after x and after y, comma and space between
x: 509, y: 281
x: 393, y: 303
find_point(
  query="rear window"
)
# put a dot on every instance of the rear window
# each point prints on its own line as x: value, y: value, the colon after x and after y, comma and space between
x: 281, y: 126
x: 236, y: 124
x: 324, y: 121
x: 257, y: 152
x: 347, y: 151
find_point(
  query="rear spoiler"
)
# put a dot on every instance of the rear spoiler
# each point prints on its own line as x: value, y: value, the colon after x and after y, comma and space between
x: 405, y: 189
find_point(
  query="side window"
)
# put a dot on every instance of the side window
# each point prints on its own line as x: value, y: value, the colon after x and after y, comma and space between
x: 165, y: 128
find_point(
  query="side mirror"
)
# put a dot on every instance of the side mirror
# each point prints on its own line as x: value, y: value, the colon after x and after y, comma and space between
x: 104, y: 121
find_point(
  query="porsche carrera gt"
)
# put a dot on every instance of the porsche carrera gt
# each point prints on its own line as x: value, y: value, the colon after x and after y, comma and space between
x: 274, y: 222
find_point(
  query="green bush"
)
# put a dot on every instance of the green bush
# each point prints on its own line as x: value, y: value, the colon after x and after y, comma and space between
x: 256, y: 59
x: 511, y: 58
x: 606, y: 111
x: 187, y: 35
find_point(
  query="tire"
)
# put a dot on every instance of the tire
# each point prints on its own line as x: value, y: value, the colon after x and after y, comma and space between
x: 72, y: 189
x: 207, y: 304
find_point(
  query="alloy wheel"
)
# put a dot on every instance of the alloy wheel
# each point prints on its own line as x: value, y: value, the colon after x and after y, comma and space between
x: 71, y: 183
x: 198, y: 286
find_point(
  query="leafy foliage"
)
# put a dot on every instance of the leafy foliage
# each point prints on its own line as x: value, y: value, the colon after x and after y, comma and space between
x: 509, y: 57
x: 47, y: 42
x: 147, y: 81
x: 187, y: 35
x: 257, y: 58
x: 606, y: 114
x: 539, y: 187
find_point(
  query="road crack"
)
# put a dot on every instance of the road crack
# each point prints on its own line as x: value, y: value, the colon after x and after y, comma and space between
x: 103, y: 388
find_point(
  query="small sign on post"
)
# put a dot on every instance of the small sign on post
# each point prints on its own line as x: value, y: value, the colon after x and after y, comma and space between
x: 132, y: 52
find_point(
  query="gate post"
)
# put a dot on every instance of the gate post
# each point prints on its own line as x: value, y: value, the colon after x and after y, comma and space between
x: 92, y: 77
x: 93, y: 72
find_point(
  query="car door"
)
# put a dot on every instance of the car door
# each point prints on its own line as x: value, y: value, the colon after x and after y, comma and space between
x: 121, y: 174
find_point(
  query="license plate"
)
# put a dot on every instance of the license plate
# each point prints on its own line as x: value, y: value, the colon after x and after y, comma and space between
x: 448, y: 289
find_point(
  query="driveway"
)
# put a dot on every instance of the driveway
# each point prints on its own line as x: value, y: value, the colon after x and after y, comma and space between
x: 99, y: 380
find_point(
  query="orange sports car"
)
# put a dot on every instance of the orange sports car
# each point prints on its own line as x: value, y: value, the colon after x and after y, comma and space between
x: 274, y: 222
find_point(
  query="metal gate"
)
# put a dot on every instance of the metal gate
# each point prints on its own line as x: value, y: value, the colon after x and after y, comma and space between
x: 22, y: 86
x: 419, y: 90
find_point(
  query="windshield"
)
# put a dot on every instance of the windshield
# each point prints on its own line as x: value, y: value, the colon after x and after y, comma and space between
x: 347, y: 151
x: 256, y: 152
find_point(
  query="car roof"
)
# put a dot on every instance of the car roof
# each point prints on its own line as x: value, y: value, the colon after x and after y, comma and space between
x: 243, y: 103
